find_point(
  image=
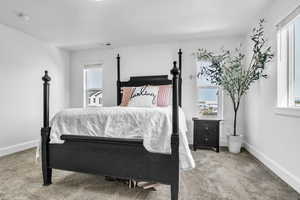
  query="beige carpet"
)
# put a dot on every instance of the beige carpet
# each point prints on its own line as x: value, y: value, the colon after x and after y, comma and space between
x: 222, y: 176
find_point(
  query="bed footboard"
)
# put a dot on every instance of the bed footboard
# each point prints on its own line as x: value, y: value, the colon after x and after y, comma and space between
x: 119, y: 158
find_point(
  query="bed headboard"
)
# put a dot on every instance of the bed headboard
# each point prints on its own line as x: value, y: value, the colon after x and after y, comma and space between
x: 136, y: 81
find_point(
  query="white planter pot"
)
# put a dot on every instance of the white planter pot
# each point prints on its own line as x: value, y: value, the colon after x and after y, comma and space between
x: 235, y: 143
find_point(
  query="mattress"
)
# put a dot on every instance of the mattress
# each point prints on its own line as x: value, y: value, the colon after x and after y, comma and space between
x: 153, y: 125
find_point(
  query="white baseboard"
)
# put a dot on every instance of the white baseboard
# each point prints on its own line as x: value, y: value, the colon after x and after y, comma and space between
x: 223, y: 142
x: 18, y: 147
x: 284, y: 174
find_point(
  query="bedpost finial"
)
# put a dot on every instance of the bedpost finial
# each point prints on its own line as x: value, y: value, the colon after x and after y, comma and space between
x: 118, y: 56
x: 180, y: 52
x: 175, y: 71
x: 46, y: 77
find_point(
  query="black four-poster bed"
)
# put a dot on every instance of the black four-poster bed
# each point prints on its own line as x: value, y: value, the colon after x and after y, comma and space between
x: 116, y: 157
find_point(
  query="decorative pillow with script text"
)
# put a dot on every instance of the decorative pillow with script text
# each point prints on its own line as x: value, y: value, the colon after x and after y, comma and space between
x: 144, y: 96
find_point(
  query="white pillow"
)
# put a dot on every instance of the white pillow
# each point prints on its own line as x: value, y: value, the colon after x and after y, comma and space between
x: 145, y: 96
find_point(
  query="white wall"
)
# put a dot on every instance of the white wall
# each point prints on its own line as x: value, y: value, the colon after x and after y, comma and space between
x: 148, y: 60
x: 22, y: 62
x: 273, y: 138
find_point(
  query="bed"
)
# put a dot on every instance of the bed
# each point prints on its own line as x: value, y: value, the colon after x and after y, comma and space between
x: 116, y: 157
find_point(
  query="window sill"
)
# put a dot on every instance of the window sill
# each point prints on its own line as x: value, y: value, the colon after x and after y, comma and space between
x: 288, y: 111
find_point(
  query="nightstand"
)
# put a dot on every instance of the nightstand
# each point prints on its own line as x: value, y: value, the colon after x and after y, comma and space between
x: 206, y: 133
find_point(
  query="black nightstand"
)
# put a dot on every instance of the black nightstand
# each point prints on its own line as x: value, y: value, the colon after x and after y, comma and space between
x: 206, y: 133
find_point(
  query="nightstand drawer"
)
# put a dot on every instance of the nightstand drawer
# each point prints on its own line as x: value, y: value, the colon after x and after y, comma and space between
x: 208, y: 126
x: 204, y: 129
x: 208, y: 139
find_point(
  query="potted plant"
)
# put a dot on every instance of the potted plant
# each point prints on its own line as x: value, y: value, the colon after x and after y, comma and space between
x: 227, y: 70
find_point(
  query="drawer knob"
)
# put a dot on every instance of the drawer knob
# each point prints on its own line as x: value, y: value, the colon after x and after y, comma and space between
x: 206, y: 128
x: 206, y: 139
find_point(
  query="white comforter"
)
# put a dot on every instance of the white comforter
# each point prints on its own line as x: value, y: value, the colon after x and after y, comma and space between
x: 154, y: 125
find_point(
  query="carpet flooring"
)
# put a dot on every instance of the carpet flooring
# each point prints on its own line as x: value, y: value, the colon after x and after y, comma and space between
x: 222, y: 176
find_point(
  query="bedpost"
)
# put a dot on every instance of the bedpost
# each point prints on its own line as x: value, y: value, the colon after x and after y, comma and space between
x: 180, y: 76
x: 118, y: 81
x: 46, y: 78
x: 175, y: 130
x: 45, y: 131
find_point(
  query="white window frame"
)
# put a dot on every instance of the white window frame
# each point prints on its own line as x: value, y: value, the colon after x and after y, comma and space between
x: 286, y: 65
x: 85, y: 68
x: 220, y: 99
x: 220, y: 96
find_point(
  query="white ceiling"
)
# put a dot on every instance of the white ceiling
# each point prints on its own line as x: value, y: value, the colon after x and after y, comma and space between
x: 77, y: 24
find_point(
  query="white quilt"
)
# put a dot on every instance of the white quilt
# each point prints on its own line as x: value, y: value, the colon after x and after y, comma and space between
x: 154, y: 125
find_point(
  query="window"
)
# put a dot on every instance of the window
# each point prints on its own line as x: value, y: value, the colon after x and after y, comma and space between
x: 289, y: 62
x: 93, y: 85
x: 209, y: 96
x: 297, y: 63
